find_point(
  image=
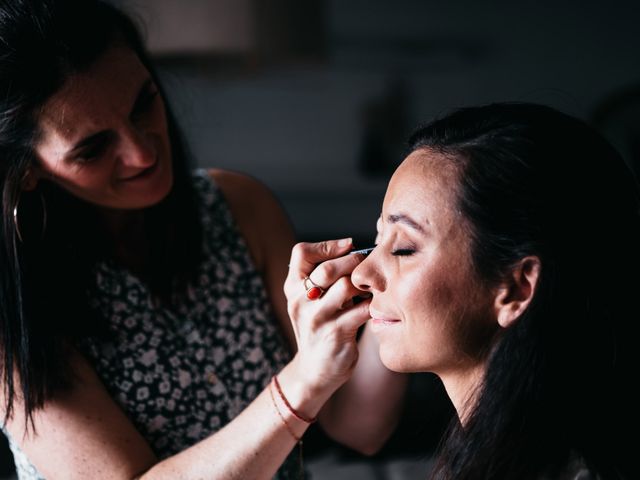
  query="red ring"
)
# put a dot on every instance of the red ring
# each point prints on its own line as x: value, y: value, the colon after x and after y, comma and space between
x: 314, y: 293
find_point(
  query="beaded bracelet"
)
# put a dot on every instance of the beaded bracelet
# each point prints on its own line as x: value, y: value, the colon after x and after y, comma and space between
x: 295, y: 413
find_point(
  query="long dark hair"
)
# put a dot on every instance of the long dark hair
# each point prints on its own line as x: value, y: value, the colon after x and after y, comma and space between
x: 534, y: 181
x: 46, y: 264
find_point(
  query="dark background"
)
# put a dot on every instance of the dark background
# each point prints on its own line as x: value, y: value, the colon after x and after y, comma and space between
x: 316, y: 98
x: 321, y: 114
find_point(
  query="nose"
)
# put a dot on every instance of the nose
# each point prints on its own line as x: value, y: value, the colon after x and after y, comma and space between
x: 137, y: 149
x: 366, y: 276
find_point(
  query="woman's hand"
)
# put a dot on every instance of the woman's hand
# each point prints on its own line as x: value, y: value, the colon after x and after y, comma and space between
x: 326, y: 327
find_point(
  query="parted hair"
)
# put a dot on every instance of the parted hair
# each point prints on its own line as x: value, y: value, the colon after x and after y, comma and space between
x: 44, y: 271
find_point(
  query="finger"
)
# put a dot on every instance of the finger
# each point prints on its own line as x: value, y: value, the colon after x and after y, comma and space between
x: 305, y: 256
x: 331, y: 304
x: 356, y: 299
x: 354, y: 317
x: 330, y: 271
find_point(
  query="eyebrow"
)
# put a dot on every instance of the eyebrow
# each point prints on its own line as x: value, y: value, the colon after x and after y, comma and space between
x: 405, y: 220
x: 105, y: 135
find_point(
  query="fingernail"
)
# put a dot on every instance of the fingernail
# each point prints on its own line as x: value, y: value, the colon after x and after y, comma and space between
x: 345, y: 242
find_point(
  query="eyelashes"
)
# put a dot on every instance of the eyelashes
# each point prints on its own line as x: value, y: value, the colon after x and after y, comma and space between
x: 403, y: 252
x: 399, y: 252
x: 408, y: 249
x: 94, y: 150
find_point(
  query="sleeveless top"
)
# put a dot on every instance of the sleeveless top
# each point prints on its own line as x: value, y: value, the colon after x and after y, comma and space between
x: 181, y: 374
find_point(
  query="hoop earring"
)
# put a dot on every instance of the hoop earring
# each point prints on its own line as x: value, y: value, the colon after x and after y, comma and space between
x: 16, y: 222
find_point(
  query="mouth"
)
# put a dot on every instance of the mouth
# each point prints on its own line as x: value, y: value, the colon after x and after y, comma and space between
x: 380, y: 318
x: 143, y: 174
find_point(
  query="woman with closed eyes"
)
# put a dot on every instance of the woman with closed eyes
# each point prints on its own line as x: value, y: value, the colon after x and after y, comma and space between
x: 507, y: 262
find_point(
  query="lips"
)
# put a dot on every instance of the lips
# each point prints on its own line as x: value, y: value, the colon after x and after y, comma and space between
x: 380, y: 317
x: 143, y: 173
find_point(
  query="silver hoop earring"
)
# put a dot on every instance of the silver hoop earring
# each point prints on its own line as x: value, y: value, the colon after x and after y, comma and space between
x: 16, y: 222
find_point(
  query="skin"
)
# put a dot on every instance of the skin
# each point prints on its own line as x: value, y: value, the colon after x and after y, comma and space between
x: 104, y: 136
x: 82, y: 433
x: 429, y: 311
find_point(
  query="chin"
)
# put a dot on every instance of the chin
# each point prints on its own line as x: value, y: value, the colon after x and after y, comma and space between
x: 164, y: 191
x: 160, y: 190
x: 395, y: 362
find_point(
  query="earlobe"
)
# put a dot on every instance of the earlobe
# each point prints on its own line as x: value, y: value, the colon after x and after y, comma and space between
x: 517, y: 291
x: 30, y: 180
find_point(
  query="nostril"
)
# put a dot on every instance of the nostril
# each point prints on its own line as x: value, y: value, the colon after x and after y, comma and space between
x: 356, y: 279
x: 368, y: 276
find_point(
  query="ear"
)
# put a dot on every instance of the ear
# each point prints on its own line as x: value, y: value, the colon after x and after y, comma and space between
x: 517, y: 290
x: 30, y: 179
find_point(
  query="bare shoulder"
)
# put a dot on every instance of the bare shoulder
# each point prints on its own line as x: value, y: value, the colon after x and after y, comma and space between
x: 240, y: 188
x: 267, y: 231
x: 257, y: 212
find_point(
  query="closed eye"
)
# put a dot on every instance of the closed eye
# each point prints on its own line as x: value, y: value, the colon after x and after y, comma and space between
x: 402, y: 252
x: 93, y: 147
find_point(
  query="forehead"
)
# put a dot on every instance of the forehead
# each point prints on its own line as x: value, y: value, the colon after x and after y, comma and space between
x: 89, y: 99
x: 425, y: 187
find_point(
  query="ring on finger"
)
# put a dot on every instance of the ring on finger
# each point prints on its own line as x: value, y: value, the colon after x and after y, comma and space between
x: 312, y: 290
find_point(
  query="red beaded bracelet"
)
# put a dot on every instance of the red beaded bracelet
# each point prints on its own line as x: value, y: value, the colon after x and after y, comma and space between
x: 295, y: 413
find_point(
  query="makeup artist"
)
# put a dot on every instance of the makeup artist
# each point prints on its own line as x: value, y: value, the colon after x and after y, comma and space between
x: 143, y: 327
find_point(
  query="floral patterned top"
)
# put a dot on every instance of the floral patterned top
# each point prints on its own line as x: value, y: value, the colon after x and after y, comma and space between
x: 181, y: 374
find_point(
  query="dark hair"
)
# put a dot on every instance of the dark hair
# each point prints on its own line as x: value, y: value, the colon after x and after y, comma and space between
x: 44, y: 275
x: 534, y: 181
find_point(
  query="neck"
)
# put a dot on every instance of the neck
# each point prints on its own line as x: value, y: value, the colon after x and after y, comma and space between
x: 126, y: 231
x: 462, y: 388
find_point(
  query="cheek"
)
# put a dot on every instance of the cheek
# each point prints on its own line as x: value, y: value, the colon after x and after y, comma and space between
x: 441, y: 305
x: 462, y: 318
x: 160, y: 130
x: 427, y: 291
x: 159, y: 120
x: 82, y: 180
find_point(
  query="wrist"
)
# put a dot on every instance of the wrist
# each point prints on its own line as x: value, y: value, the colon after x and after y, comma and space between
x: 305, y: 397
x: 299, y: 415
